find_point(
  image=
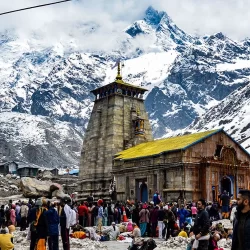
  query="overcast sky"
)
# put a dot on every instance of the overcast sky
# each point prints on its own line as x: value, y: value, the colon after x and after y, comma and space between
x: 199, y: 17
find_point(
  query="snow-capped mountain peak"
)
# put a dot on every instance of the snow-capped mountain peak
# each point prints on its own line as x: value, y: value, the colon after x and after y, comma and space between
x: 154, y: 17
x: 186, y: 77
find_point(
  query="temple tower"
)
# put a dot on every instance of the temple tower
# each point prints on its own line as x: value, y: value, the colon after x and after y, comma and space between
x: 118, y: 121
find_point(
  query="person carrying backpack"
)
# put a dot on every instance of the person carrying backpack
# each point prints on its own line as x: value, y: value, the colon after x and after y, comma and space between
x: 156, y: 198
x: 41, y: 226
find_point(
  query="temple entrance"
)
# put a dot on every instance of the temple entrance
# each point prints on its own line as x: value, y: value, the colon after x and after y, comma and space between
x: 142, y: 190
x: 226, y: 184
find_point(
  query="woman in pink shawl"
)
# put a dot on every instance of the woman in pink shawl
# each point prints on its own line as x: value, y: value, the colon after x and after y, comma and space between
x: 129, y: 227
x: 13, y: 215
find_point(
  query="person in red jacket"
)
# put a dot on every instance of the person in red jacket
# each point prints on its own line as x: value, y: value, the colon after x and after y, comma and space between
x: 83, y: 214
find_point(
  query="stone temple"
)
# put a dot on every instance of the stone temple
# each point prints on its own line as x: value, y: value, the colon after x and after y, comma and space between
x: 118, y: 145
x: 118, y: 121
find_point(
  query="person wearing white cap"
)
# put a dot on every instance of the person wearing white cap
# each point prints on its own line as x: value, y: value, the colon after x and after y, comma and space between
x: 112, y: 231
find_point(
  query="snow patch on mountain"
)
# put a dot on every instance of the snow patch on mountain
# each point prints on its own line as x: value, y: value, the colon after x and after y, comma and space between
x: 148, y: 70
x: 237, y: 64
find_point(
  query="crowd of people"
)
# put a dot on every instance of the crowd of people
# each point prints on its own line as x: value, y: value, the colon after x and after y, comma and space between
x: 42, y: 219
x: 47, y: 221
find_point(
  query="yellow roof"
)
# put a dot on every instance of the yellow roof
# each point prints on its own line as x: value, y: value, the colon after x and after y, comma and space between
x: 163, y: 145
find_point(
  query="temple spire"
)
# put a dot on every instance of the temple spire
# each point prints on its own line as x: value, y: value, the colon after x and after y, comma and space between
x: 119, y: 76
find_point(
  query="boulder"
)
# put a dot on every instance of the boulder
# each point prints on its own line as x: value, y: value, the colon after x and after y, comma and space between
x: 55, y: 186
x: 47, y: 175
x: 32, y: 187
x: 59, y: 194
x: 44, y: 174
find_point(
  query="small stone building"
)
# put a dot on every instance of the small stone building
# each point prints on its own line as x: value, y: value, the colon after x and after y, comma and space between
x: 187, y: 167
x: 8, y: 167
x: 25, y: 169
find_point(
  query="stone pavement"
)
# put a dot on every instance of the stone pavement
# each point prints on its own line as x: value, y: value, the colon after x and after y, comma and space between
x: 116, y: 245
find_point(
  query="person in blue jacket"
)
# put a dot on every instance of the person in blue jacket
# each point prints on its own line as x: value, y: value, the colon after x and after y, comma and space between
x: 53, y: 230
x: 157, y: 198
x: 182, y: 214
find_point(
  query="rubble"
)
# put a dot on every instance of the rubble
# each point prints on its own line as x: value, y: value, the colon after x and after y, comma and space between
x: 21, y: 242
x: 9, y: 186
x: 180, y: 243
x: 225, y: 244
x: 44, y: 175
x: 225, y: 222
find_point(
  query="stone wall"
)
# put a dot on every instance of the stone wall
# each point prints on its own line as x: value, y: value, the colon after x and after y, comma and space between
x: 109, y: 131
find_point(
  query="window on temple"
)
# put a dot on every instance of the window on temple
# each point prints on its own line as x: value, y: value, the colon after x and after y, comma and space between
x: 218, y: 150
x: 125, y: 143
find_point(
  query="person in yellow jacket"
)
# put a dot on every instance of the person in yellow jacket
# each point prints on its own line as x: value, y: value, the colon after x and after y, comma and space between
x: 182, y: 233
x: 5, y: 241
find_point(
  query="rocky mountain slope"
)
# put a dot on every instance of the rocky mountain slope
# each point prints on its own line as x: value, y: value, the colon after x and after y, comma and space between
x: 201, y: 81
x: 232, y: 113
x: 40, y: 140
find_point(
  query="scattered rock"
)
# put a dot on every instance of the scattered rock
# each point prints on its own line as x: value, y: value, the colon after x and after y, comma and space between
x: 44, y: 175
x: 225, y: 222
x: 21, y: 242
x: 225, y: 244
x: 32, y: 187
x: 8, y: 187
x: 59, y: 194
x: 180, y: 243
x: 14, y: 187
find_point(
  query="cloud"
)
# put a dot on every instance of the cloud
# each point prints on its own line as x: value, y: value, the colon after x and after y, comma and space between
x: 107, y: 19
x: 230, y: 17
